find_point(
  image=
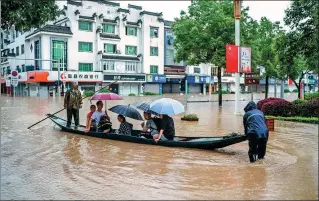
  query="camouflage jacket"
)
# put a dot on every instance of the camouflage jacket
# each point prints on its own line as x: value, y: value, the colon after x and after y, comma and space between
x: 73, y: 99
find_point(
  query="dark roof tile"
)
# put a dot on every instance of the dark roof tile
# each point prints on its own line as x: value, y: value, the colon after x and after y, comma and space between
x: 117, y: 57
x: 53, y: 29
x: 105, y: 35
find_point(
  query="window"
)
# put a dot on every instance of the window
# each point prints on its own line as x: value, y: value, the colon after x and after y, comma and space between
x: 170, y: 53
x: 22, y: 49
x: 131, y: 31
x: 85, y: 47
x: 131, y: 66
x: 110, y: 48
x: 197, y: 70
x: 154, y: 69
x: 23, y: 68
x: 85, y: 25
x: 17, y: 51
x: 59, y: 53
x: 154, y: 51
x: 85, y: 67
x: 108, y: 65
x: 17, y: 34
x: 130, y: 50
x: 108, y: 28
x: 12, y: 50
x: 154, y: 32
x: 37, y: 54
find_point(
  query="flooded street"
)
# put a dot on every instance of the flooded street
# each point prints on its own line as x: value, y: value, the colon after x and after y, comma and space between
x: 45, y: 163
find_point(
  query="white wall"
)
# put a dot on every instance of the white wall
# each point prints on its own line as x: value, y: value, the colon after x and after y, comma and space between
x: 148, y: 60
x: 205, y: 69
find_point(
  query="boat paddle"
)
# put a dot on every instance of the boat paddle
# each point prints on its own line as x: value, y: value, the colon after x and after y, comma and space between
x: 65, y: 108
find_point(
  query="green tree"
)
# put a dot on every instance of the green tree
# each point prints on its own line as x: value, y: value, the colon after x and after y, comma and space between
x: 265, y: 48
x: 27, y: 14
x: 202, y: 33
x: 303, y: 19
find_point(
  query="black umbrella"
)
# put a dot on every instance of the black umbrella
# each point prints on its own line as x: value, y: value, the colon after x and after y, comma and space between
x: 127, y: 111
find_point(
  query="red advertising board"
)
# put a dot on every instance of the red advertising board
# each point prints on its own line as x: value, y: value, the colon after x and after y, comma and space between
x: 231, y: 58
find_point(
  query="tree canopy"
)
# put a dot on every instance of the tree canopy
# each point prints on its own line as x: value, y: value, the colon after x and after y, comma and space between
x: 27, y: 14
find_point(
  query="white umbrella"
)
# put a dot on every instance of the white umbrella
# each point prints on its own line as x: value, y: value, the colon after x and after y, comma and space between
x: 167, y: 106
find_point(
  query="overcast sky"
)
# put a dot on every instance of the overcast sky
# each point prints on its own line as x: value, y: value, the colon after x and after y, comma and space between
x: 274, y: 10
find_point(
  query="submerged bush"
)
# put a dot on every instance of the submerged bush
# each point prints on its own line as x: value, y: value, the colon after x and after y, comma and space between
x: 309, y: 96
x: 307, y: 108
x: 149, y: 94
x: 131, y: 94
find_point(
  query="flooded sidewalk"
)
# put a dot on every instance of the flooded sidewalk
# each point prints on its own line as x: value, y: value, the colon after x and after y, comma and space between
x: 45, y: 163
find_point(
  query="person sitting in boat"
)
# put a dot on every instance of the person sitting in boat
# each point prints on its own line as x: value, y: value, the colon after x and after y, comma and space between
x: 125, y: 127
x: 88, y: 117
x: 150, y: 126
x: 96, y: 117
x: 167, y: 131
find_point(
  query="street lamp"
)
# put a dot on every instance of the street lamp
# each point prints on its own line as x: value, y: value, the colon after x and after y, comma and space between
x: 237, y: 12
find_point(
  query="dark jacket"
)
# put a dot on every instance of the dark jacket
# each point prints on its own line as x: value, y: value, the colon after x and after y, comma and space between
x: 254, y: 121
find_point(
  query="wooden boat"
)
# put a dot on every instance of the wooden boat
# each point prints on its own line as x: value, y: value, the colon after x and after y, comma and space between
x: 179, y: 141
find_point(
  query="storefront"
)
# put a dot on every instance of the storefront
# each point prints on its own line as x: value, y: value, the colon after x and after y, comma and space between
x: 154, y: 83
x: 125, y: 84
x: 88, y: 81
x: 199, y: 84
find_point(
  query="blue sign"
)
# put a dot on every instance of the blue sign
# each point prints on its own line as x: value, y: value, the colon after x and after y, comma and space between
x: 271, y: 81
x: 156, y: 78
x: 200, y: 79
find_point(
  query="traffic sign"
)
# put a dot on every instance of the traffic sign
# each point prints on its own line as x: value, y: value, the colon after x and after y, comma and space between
x: 14, y: 73
x: 14, y: 81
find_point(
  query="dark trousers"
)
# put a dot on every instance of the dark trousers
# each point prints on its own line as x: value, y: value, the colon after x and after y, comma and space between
x: 75, y: 114
x: 257, y: 148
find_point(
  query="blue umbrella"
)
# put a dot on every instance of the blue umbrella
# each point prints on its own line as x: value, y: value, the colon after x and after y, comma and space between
x: 127, y: 111
x: 145, y: 107
x: 167, y: 106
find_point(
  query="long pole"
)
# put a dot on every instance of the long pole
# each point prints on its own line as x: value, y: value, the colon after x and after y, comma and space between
x: 237, y: 77
x: 275, y: 89
x: 237, y: 13
x: 186, y: 92
x: 282, y: 89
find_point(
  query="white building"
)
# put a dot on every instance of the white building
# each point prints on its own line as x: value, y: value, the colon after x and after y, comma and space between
x: 95, y: 42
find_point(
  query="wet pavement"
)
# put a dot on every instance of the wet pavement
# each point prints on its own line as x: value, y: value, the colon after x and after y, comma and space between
x: 45, y: 163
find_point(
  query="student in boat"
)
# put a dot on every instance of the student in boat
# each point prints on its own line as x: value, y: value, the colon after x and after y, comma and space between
x: 88, y: 117
x: 150, y: 125
x: 125, y: 127
x: 256, y: 131
x: 96, y: 117
x: 167, y: 131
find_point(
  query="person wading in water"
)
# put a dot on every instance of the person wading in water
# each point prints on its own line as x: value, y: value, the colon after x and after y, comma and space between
x: 256, y: 131
x: 72, y: 103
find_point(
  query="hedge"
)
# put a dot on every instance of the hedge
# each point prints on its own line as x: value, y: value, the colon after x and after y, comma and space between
x: 131, y: 94
x: 286, y: 91
x: 266, y: 100
x: 310, y: 120
x: 149, y: 94
x: 307, y: 108
x: 309, y: 96
x: 279, y: 107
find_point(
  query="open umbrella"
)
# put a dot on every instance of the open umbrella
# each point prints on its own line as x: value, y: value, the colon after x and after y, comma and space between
x: 105, y: 97
x: 167, y: 106
x: 145, y: 107
x: 127, y: 111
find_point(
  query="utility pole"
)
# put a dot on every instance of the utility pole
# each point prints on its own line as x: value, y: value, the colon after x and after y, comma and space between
x: 0, y: 50
x: 237, y: 12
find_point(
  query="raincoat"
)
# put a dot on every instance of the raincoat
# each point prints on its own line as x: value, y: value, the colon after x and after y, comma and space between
x: 254, y: 121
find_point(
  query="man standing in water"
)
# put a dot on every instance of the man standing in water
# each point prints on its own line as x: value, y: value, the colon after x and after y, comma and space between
x: 72, y: 103
x: 256, y: 131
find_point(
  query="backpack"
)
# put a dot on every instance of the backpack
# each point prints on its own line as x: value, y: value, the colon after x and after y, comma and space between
x: 104, y: 124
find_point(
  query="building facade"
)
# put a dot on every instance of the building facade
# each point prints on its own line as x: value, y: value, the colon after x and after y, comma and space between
x: 95, y: 43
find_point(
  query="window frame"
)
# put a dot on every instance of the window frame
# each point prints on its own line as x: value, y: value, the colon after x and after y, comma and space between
x: 22, y: 49
x: 90, y: 26
x: 114, y: 46
x: 170, y: 50
x: 89, y: 65
x: 153, y: 48
x: 131, y: 67
x: 127, y: 31
x: 128, y: 46
x: 152, y: 29
x: 83, y: 42
x: 152, y: 67
x: 197, y: 68
x: 17, y: 50
x: 104, y: 25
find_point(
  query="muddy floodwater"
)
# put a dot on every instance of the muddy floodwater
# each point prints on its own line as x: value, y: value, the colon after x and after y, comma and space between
x: 46, y: 163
